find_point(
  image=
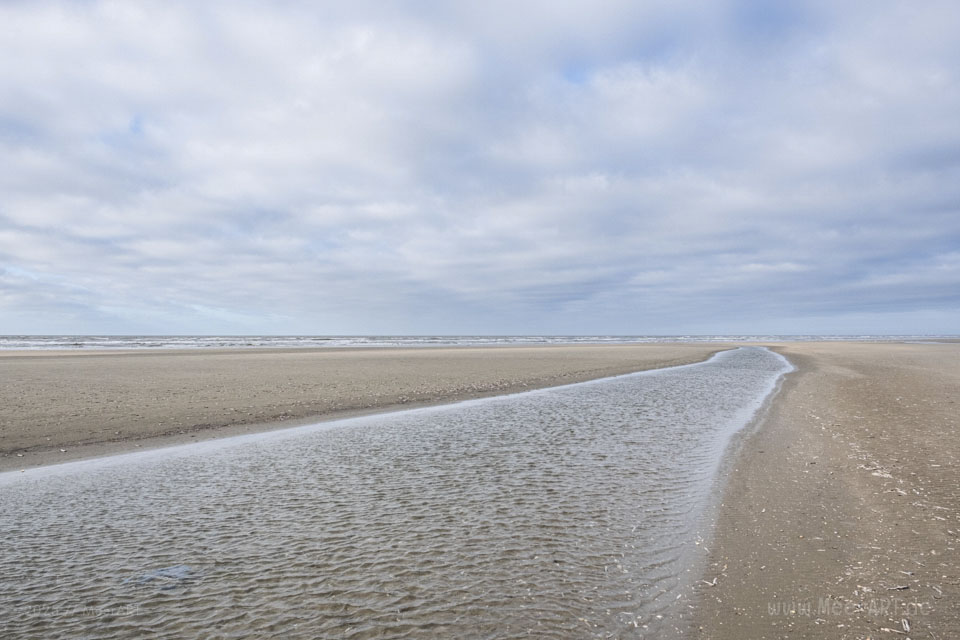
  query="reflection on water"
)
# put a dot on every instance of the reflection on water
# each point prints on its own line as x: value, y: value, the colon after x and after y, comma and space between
x: 557, y: 513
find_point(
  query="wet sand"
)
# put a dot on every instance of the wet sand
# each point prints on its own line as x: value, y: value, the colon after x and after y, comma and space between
x: 545, y: 515
x: 840, y: 516
x: 840, y: 512
x: 90, y: 403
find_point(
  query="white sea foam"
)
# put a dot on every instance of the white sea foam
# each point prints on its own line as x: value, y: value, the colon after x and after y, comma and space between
x: 255, y: 341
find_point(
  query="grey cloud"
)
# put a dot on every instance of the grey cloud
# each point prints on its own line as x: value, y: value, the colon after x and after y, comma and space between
x: 595, y: 167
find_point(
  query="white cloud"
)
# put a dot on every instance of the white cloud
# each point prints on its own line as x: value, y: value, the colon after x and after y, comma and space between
x: 590, y: 167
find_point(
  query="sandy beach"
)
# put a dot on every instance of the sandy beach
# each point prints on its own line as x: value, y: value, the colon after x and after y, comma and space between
x: 57, y: 406
x: 841, y: 513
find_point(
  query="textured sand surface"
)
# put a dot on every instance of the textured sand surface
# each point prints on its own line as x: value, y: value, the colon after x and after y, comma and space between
x: 94, y: 403
x: 841, y: 513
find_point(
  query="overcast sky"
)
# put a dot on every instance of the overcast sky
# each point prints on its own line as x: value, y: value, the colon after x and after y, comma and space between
x: 480, y: 167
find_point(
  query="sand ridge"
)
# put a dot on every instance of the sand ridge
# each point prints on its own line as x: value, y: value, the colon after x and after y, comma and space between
x: 90, y: 403
x: 840, y: 517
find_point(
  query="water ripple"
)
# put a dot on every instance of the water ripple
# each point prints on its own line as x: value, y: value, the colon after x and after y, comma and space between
x: 561, y: 513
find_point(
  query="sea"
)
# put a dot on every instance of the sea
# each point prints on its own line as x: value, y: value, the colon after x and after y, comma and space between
x: 579, y: 511
x: 277, y: 341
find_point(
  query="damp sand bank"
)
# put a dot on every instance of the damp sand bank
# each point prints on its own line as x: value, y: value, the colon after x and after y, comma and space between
x: 96, y: 403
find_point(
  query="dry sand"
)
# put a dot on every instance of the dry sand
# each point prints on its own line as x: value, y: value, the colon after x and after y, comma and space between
x: 95, y: 403
x: 841, y: 512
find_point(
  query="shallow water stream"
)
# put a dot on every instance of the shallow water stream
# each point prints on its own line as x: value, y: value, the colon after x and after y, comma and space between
x: 565, y: 512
